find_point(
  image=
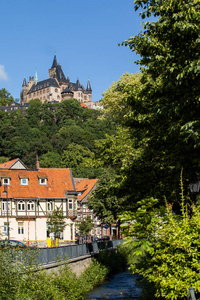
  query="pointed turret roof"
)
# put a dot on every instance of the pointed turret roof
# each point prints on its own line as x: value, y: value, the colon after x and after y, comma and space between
x: 54, y: 62
x: 36, y: 77
x: 89, y: 89
x: 24, y: 82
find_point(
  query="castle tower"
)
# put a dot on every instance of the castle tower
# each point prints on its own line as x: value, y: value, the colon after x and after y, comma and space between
x: 89, y: 91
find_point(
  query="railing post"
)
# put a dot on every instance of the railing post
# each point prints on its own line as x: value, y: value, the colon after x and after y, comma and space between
x: 191, y: 295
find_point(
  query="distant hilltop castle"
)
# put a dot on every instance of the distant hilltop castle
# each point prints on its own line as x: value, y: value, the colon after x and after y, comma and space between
x: 56, y: 88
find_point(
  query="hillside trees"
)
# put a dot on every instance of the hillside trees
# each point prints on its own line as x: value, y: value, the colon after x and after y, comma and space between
x: 48, y: 130
x: 5, y: 97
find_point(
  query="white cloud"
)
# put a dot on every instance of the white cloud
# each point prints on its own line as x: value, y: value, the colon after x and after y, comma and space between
x: 3, y: 74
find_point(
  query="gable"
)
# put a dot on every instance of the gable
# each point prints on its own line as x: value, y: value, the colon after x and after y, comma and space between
x: 15, y: 164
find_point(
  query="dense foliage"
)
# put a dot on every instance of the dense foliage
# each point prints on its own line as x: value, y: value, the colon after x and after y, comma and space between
x: 56, y: 222
x: 61, y: 134
x: 85, y: 225
x: 165, y: 247
x: 158, y: 108
x: 20, y: 281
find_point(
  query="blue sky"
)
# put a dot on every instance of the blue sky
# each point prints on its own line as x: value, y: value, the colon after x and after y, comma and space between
x: 83, y: 34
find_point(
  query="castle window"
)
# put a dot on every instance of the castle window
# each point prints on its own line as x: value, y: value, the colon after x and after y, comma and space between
x: 56, y: 90
x: 88, y: 96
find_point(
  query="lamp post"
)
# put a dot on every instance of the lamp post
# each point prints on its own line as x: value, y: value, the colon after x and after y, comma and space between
x: 6, y: 192
x: 194, y: 188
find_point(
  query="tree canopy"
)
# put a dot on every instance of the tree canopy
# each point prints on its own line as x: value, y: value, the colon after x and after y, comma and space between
x: 5, y: 97
x: 158, y: 107
x: 61, y: 134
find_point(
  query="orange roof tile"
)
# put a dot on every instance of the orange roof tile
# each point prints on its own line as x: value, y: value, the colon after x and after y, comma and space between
x: 85, y: 186
x: 84, y: 105
x: 58, y: 182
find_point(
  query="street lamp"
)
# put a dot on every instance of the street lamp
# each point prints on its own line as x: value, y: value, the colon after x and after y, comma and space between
x: 6, y: 192
x: 194, y: 188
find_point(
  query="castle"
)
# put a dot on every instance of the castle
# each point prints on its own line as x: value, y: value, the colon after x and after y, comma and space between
x: 56, y: 88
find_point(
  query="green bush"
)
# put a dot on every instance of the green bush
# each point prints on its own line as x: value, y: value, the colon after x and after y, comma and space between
x: 62, y: 285
x: 165, y: 248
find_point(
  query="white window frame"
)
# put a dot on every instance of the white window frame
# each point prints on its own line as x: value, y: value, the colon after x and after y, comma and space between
x: 5, y: 228
x: 20, y: 228
x: 42, y: 181
x: 30, y: 205
x: 4, y: 205
x: 70, y: 204
x: 24, y: 181
x: 49, y: 205
x: 6, y: 181
x: 21, y: 205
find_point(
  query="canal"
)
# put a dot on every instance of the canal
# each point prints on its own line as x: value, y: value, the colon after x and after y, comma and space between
x: 122, y: 286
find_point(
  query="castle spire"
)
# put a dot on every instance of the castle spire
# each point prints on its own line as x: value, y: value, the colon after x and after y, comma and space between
x: 36, y: 77
x: 89, y: 89
x: 54, y: 62
x: 24, y: 82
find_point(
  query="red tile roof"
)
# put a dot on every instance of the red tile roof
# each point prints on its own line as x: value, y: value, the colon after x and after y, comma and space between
x: 10, y: 163
x: 85, y: 186
x: 58, y: 182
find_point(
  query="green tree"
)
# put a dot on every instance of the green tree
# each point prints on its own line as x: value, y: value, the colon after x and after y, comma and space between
x: 169, y: 95
x: 85, y: 226
x: 5, y: 97
x: 50, y: 160
x: 56, y: 222
x: 165, y: 247
x: 74, y: 157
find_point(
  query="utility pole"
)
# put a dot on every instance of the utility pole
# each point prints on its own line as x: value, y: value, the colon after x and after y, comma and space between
x: 8, y: 227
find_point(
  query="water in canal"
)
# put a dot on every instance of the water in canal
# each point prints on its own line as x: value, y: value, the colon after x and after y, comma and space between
x: 122, y: 286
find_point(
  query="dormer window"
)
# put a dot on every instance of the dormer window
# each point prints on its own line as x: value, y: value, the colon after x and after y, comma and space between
x: 24, y: 181
x: 5, y: 181
x: 42, y: 181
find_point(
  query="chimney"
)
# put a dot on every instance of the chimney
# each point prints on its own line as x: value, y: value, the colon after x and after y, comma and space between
x: 37, y: 163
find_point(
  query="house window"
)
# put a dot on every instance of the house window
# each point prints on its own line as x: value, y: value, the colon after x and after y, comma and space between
x: 21, y: 206
x: 5, y: 228
x: 6, y: 181
x: 20, y: 228
x: 24, y: 181
x: 5, y: 205
x: 42, y: 181
x: 70, y: 204
x: 49, y: 205
x: 30, y: 206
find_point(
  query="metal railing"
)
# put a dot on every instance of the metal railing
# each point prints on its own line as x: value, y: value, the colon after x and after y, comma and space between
x: 52, y: 255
